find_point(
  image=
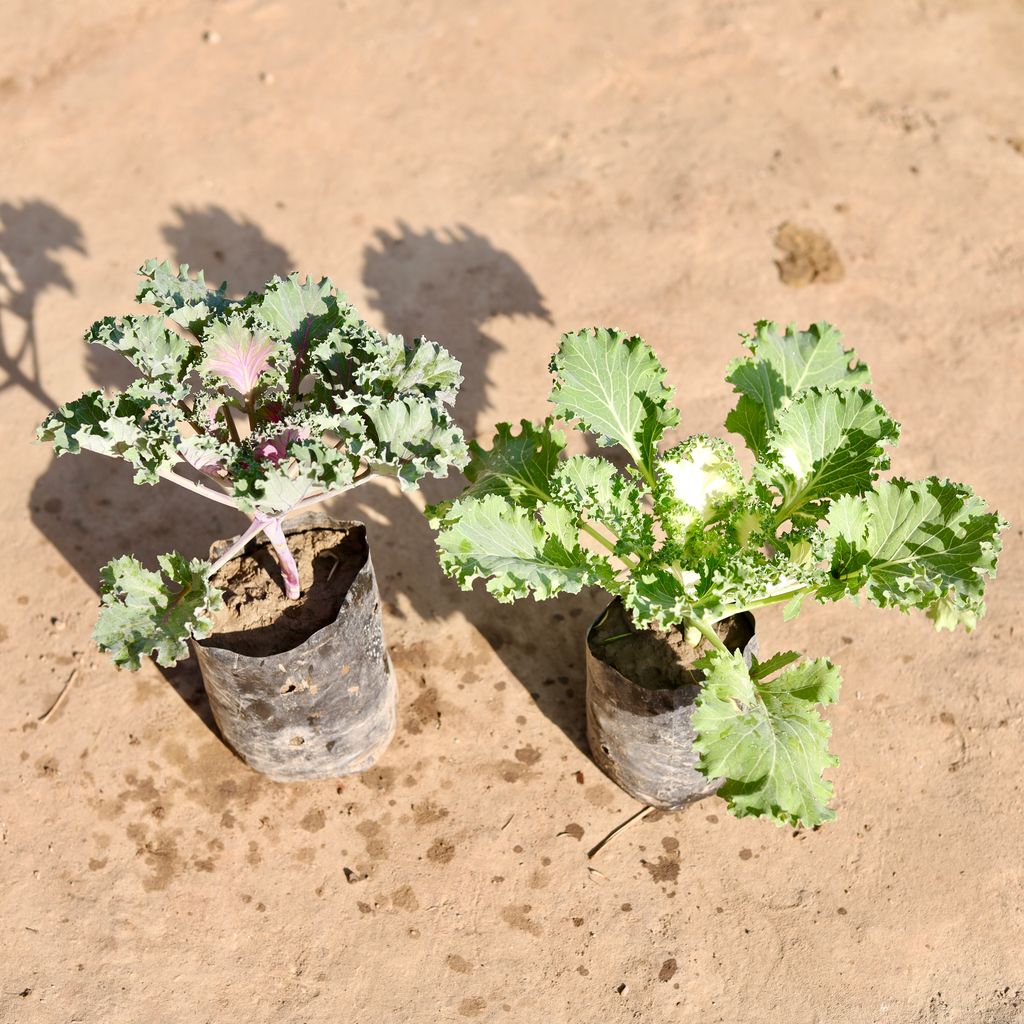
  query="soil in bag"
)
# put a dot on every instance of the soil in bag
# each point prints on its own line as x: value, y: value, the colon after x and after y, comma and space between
x: 258, y: 620
x: 654, y: 659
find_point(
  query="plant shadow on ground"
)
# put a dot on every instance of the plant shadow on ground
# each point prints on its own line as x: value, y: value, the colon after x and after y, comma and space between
x: 87, y: 505
x: 452, y: 286
x: 32, y: 234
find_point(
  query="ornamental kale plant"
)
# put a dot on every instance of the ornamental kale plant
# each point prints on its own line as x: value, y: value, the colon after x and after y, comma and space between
x: 685, y: 538
x: 271, y: 404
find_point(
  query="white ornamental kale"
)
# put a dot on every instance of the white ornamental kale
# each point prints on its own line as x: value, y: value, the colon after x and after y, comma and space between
x: 271, y: 403
x: 686, y: 539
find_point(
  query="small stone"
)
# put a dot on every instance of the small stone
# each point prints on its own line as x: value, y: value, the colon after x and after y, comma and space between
x: 266, y: 77
x: 211, y: 37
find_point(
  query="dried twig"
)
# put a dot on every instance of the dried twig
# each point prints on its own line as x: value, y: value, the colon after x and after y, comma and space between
x: 618, y: 828
x: 60, y: 698
x: 337, y: 562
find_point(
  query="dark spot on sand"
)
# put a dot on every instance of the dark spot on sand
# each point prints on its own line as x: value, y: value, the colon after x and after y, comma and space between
x: 457, y: 964
x: 528, y: 755
x: 428, y: 812
x: 380, y: 779
x: 441, y: 851
x: 665, y: 869
x: 472, y: 1007
x: 405, y: 899
x: 314, y: 820
x: 518, y: 916
x: 808, y: 257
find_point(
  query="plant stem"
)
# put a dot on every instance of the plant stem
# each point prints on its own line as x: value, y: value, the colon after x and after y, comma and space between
x: 610, y: 545
x: 596, y: 534
x: 709, y: 634
x: 305, y: 503
x: 190, y: 417
x: 764, y: 602
x: 285, y: 558
x: 610, y: 639
x: 254, y: 528
x: 194, y: 485
x: 229, y: 420
x: 593, y: 851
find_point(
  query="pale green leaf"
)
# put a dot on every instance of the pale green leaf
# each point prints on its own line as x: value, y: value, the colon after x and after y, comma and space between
x: 237, y: 352
x: 793, y: 607
x: 827, y: 443
x: 781, y: 365
x: 927, y: 545
x: 134, y: 425
x: 302, y: 312
x: 699, y: 483
x: 766, y: 739
x: 614, y: 386
x: 415, y: 435
x: 187, y: 300
x: 595, y: 489
x: 153, y: 614
x: 423, y: 368
x: 491, y: 538
x: 150, y: 346
x: 271, y: 475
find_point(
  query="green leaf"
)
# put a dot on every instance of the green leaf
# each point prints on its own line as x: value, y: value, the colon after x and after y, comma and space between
x: 266, y: 487
x: 78, y: 424
x: 767, y: 739
x: 518, y: 554
x: 614, y: 386
x: 595, y: 489
x: 144, y: 427
x: 336, y: 356
x: 422, y: 368
x: 760, y: 669
x: 658, y: 596
x: 927, y: 545
x: 324, y: 467
x: 781, y: 365
x: 134, y: 425
x: 826, y: 444
x: 271, y: 474
x: 415, y: 435
x: 519, y: 466
x: 186, y: 300
x: 749, y: 421
x: 145, y: 613
x: 147, y: 343
x: 301, y: 313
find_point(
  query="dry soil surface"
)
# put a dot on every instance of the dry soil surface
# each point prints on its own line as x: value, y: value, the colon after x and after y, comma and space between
x: 489, y: 174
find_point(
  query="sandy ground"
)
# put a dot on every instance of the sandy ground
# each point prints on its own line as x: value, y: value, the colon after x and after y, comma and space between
x: 490, y: 174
